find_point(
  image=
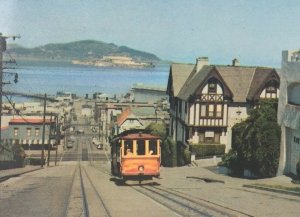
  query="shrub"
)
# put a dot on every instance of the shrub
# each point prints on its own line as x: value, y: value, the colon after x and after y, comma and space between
x: 187, y: 156
x: 257, y: 140
x: 298, y: 169
x: 168, y: 153
x: 201, y: 150
x: 35, y: 161
x: 183, y: 155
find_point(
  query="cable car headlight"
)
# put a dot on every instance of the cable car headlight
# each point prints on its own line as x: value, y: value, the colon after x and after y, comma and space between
x: 141, y: 168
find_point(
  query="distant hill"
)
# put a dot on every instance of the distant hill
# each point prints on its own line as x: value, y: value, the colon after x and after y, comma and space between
x: 79, y: 50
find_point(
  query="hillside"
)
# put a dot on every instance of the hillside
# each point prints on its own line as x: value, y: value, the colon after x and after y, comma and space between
x: 79, y: 50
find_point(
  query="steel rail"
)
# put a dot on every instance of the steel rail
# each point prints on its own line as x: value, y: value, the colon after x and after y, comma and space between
x: 196, y: 200
x: 166, y: 200
x: 97, y: 193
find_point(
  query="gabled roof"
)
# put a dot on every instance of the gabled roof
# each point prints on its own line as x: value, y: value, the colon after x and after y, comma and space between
x: 123, y: 116
x: 194, y: 81
x: 243, y: 82
x: 260, y: 77
x: 143, y: 111
x: 179, y: 73
x: 238, y: 79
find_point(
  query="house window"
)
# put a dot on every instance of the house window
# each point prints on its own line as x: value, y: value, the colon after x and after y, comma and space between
x: 203, y: 111
x: 212, y: 86
x: 211, y: 109
x: 16, y: 131
x: 28, y: 131
x: 271, y: 89
x: 218, y: 110
x: 37, y: 131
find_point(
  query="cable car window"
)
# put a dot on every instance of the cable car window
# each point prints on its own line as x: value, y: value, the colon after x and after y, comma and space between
x: 141, y: 147
x: 153, y: 147
x: 128, y: 147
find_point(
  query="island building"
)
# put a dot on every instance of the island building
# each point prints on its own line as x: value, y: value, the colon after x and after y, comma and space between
x: 207, y: 100
x: 289, y: 112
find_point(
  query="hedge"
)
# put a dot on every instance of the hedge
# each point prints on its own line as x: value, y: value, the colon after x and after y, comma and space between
x: 298, y: 168
x: 204, y: 150
x: 35, y: 161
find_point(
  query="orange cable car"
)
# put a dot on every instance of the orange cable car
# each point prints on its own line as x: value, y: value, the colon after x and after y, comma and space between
x: 136, y: 155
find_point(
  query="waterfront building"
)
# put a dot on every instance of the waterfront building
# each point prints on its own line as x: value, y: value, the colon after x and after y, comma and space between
x: 148, y: 94
x: 207, y: 100
x: 28, y: 131
x: 289, y: 112
x: 6, y: 150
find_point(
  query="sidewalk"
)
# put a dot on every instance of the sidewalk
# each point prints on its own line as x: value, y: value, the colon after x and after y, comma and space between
x: 279, y: 184
x: 6, y: 174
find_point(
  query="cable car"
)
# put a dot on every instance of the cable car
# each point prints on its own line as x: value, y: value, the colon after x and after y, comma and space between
x: 135, y: 155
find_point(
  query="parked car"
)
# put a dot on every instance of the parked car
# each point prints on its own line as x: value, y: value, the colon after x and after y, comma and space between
x: 70, y: 144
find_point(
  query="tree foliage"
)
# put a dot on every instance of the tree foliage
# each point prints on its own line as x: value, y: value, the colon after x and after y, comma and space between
x: 158, y: 129
x: 168, y: 147
x: 256, y: 141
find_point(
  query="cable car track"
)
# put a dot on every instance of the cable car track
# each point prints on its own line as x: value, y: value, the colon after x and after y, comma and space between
x: 185, y: 205
x: 86, y: 206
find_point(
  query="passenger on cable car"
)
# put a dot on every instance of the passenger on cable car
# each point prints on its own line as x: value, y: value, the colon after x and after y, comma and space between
x: 128, y: 152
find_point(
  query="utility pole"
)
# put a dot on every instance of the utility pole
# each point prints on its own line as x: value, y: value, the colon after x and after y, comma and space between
x: 50, y: 136
x: 3, y: 49
x: 57, y: 133
x: 43, y: 137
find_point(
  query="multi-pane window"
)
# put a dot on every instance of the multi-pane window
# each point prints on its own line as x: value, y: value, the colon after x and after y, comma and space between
x: 211, y: 109
x: 203, y: 111
x: 16, y: 131
x: 212, y: 87
x: 37, y: 132
x: 28, y: 131
x: 218, y: 110
x: 271, y: 89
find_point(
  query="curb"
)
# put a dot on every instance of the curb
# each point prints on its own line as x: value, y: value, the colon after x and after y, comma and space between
x: 273, y: 190
x: 4, y: 178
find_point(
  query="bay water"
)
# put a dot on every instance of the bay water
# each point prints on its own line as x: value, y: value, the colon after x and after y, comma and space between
x: 45, y: 77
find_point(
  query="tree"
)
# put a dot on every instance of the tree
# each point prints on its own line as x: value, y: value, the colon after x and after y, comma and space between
x: 168, y: 147
x: 158, y: 129
x: 256, y: 141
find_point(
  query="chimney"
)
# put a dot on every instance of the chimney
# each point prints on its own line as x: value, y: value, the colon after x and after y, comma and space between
x: 235, y: 62
x: 200, y: 62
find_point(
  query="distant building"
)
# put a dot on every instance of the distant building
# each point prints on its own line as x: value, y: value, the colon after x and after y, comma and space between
x: 127, y: 121
x: 28, y: 131
x: 207, y: 100
x: 289, y: 112
x: 64, y: 96
x: 87, y: 110
x: 148, y: 94
x: 6, y: 152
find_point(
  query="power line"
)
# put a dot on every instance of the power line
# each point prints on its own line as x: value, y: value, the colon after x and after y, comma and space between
x: 3, y: 49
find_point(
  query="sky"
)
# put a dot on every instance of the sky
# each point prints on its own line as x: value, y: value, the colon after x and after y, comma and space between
x: 254, y: 31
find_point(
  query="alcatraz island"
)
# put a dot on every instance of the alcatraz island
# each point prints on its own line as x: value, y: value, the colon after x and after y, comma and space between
x: 87, y: 52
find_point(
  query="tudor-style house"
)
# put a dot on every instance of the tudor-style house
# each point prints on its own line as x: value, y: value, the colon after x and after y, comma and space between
x: 207, y: 100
